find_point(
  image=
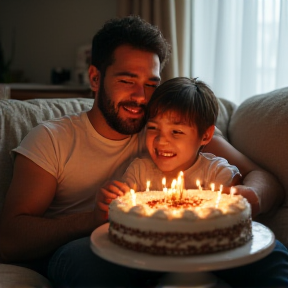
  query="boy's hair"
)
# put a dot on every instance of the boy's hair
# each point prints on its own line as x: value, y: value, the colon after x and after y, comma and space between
x: 130, y: 30
x: 191, y: 99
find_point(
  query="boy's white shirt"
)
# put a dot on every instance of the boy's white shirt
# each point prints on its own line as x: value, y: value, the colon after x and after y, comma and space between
x: 207, y: 169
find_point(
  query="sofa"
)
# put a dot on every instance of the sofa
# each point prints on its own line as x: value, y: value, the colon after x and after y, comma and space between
x: 258, y: 127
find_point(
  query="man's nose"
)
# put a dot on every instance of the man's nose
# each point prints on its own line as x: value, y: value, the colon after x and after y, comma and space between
x: 139, y: 94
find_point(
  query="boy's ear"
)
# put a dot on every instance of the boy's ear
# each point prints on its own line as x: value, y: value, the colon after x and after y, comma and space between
x: 207, y: 136
x: 94, y: 78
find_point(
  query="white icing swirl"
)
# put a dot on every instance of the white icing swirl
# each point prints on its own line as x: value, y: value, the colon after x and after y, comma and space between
x: 160, y: 214
x: 138, y: 210
x: 189, y: 215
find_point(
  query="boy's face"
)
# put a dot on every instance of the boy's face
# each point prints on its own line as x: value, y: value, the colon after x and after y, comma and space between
x: 172, y: 145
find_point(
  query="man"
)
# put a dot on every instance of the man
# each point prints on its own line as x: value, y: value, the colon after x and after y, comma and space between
x: 50, y: 208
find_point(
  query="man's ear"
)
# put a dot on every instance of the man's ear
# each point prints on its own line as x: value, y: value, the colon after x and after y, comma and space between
x: 94, y: 78
x: 207, y: 136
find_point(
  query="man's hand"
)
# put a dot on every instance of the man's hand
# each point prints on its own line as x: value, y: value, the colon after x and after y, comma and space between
x: 109, y: 191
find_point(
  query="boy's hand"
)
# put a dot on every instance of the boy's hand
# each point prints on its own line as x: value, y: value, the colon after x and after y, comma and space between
x: 249, y: 194
x: 109, y: 191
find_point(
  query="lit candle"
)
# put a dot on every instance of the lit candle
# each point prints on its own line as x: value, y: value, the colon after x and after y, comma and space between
x: 165, y: 190
x: 198, y: 185
x: 219, y: 196
x: 173, y: 190
x: 133, y: 197
x: 212, y: 186
x: 164, y: 183
x: 178, y: 185
x: 232, y: 191
x: 147, y: 185
x: 181, y: 183
x: 173, y: 184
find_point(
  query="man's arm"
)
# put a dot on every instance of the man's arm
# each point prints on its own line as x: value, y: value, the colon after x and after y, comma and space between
x: 261, y: 188
x: 24, y: 232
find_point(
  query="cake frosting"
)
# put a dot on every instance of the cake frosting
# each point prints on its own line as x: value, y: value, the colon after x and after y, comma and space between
x: 200, y: 222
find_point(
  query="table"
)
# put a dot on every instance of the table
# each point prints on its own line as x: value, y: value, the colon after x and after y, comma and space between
x: 261, y: 245
x: 32, y: 91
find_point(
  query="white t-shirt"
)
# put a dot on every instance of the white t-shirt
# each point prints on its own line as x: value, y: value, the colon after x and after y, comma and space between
x: 79, y: 158
x: 207, y: 169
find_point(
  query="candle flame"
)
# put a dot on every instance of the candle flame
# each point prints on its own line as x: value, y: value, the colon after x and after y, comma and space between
x: 164, y: 182
x: 133, y: 197
x: 173, y: 184
x: 212, y: 186
x: 232, y: 191
x: 198, y: 184
x: 147, y: 185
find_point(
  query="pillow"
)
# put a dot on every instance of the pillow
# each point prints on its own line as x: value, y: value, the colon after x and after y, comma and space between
x: 259, y: 129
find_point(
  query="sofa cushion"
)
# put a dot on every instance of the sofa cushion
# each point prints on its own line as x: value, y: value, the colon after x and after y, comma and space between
x: 259, y: 129
x: 226, y: 110
x: 17, y: 118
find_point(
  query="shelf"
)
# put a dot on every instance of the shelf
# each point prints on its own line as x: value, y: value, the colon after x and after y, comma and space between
x: 35, y: 91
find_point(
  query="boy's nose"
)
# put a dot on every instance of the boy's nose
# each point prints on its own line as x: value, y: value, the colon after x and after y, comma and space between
x: 162, y: 139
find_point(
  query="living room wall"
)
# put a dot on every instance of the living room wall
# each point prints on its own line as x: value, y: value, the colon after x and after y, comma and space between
x: 48, y: 34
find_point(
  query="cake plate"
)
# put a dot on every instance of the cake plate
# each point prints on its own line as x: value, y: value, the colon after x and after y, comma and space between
x: 258, y: 247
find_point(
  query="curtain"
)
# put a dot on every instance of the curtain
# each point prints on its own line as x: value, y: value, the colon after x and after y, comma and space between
x: 240, y: 47
x: 237, y: 47
x: 173, y: 17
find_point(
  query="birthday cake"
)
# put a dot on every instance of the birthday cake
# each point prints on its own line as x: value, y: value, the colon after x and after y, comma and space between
x: 201, y: 222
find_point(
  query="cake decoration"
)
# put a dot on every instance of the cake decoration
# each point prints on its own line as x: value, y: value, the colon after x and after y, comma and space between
x: 178, y: 221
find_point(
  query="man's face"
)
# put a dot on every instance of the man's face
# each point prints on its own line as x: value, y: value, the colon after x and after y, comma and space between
x: 172, y: 144
x: 127, y: 87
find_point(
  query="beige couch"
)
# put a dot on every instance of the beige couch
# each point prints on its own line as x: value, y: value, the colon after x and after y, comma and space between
x: 258, y: 127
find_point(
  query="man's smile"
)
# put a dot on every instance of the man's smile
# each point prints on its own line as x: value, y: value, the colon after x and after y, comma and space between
x: 133, y: 109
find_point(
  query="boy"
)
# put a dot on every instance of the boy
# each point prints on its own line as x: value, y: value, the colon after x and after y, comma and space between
x: 181, y: 117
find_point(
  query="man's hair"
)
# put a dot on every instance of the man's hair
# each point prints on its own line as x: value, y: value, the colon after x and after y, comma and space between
x: 192, y: 100
x: 133, y: 31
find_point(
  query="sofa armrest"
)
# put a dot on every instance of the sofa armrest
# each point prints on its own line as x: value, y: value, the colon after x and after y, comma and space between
x: 12, y: 276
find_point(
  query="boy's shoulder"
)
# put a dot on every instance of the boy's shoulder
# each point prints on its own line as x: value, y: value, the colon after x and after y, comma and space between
x: 144, y: 160
x: 211, y: 157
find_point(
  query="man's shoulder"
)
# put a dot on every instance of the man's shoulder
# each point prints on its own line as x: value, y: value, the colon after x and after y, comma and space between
x: 66, y: 120
x: 56, y: 129
x: 65, y: 124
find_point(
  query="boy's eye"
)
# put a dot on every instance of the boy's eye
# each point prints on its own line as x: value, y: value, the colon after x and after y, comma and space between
x: 149, y: 127
x: 177, y: 132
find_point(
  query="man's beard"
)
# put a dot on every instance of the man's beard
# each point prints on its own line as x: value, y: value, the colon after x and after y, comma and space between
x: 127, y: 126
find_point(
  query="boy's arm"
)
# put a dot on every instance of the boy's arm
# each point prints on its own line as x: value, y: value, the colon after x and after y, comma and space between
x: 259, y: 186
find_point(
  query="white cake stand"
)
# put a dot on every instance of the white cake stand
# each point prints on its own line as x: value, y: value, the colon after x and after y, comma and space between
x: 261, y: 245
